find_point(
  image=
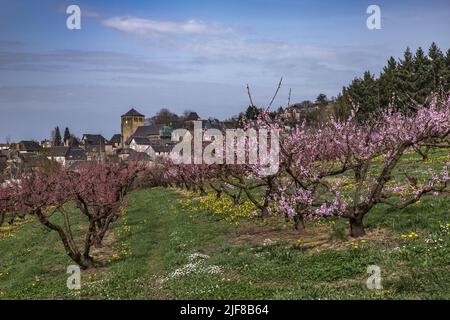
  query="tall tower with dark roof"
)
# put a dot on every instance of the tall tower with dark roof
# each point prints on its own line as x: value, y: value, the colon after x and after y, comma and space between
x: 130, y: 122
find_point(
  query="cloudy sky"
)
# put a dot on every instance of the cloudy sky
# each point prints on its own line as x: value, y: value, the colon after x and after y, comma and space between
x: 189, y: 54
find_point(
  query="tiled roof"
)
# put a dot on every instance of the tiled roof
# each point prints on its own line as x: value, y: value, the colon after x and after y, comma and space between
x: 133, y: 113
x: 117, y: 138
x: 94, y: 139
x: 59, y: 151
x: 146, y: 131
x: 125, y: 151
x: 162, y: 148
x: 141, y: 141
x: 29, y: 146
x: 76, y: 154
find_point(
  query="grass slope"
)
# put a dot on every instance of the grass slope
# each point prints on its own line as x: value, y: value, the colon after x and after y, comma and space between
x: 160, y: 252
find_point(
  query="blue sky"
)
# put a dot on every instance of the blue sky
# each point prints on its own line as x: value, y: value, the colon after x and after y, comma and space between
x: 196, y: 55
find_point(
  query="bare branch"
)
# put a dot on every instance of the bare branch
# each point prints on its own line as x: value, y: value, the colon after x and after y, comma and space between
x: 275, y: 95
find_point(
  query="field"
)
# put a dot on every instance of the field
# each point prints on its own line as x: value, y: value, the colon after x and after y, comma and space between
x: 160, y: 250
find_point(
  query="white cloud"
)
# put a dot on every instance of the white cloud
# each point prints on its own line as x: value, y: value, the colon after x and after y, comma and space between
x: 147, y: 26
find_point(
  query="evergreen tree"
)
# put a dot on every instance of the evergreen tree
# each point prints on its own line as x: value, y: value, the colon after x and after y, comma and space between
x: 252, y: 112
x: 406, y: 81
x: 401, y: 84
x: 342, y: 106
x: 364, y: 93
x: 56, y: 137
x: 388, y: 83
x: 422, y: 77
x: 437, y: 68
x: 447, y: 72
x: 322, y: 100
x: 66, y: 136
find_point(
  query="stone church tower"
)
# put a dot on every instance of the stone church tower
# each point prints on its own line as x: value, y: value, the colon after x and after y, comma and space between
x: 130, y: 122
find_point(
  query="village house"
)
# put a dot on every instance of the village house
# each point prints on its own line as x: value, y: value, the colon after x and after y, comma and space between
x: 28, y: 147
x: 46, y: 144
x: 140, y: 144
x: 153, y: 148
x: 124, y: 154
x: 75, y: 154
x: 291, y: 113
x: 116, y: 141
x: 96, y: 146
x: 153, y: 133
x: 19, y: 162
x: 161, y: 150
x: 57, y: 154
x: 65, y: 155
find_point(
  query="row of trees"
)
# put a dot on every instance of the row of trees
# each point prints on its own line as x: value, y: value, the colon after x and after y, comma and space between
x: 402, y: 83
x: 342, y: 168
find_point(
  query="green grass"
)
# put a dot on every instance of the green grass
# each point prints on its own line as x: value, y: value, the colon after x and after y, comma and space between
x: 152, y: 245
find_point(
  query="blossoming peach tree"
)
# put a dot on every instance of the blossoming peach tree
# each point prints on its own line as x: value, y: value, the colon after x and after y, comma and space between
x: 97, y: 192
x: 341, y: 168
x: 323, y: 162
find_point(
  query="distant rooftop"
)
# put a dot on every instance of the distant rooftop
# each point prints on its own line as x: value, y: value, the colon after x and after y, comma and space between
x: 141, y: 141
x: 57, y: 151
x: 158, y: 129
x: 30, y: 146
x: 94, y: 139
x: 133, y: 113
x: 117, y: 138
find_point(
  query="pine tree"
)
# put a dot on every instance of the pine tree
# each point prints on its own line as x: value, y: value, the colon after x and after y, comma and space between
x: 401, y: 84
x: 363, y: 93
x: 252, y: 112
x: 66, y: 136
x: 422, y: 77
x: 322, y: 99
x: 371, y: 91
x: 56, y: 137
x: 447, y: 72
x: 437, y: 68
x: 406, y: 81
x: 388, y: 83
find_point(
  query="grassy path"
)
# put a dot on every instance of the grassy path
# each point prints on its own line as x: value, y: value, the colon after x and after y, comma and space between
x: 160, y: 252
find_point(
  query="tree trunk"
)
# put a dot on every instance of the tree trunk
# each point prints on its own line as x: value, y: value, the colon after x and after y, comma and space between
x: 86, y: 262
x: 356, y: 226
x: 264, y: 212
x: 202, y: 191
x: 73, y: 253
x: 299, y: 222
x: 2, y: 218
